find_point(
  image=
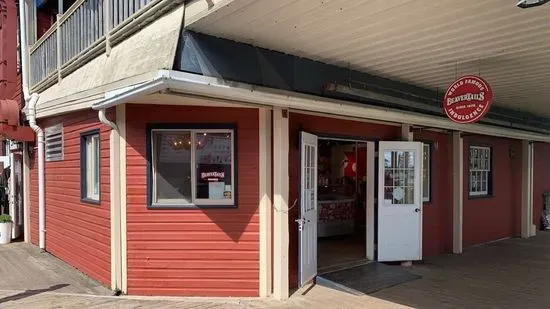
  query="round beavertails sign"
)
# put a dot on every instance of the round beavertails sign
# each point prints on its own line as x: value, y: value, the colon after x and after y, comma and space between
x: 468, y: 99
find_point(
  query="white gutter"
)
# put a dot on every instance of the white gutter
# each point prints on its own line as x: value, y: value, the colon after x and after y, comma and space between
x: 30, y: 102
x: 115, y: 209
x: 234, y: 91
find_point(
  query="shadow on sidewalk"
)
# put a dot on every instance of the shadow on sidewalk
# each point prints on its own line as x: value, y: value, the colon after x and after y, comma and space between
x: 29, y: 293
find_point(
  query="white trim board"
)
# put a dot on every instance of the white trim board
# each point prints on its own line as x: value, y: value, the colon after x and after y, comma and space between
x: 265, y: 207
x: 215, y: 88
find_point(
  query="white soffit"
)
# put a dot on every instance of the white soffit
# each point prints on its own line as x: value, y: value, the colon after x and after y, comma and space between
x: 423, y: 42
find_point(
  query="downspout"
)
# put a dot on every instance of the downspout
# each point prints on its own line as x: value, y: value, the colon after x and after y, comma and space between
x: 30, y: 102
x: 31, y: 115
x: 103, y: 119
x: 115, y: 208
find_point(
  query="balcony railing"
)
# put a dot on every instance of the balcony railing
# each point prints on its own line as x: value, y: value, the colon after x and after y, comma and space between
x: 83, y: 32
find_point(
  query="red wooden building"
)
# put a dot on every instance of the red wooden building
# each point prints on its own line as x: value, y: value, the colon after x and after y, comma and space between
x: 203, y: 166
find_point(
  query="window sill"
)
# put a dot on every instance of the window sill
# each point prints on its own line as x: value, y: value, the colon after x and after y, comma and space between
x: 479, y: 197
x: 90, y: 201
x: 190, y: 206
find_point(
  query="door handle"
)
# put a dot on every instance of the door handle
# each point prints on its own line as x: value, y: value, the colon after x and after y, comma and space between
x: 417, y: 210
x: 301, y: 223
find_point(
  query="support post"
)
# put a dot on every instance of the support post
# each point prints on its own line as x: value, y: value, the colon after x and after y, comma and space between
x: 114, y: 177
x: 458, y: 187
x: 121, y: 124
x: 407, y: 135
x: 526, y: 189
x: 12, y: 207
x: 265, y: 201
x: 371, y: 195
x: 280, y: 199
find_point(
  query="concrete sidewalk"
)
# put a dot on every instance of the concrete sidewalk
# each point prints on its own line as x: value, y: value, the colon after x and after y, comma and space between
x: 510, y: 274
x: 24, y: 267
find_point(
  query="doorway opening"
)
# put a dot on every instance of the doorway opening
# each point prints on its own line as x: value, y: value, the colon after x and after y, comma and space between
x: 341, y: 204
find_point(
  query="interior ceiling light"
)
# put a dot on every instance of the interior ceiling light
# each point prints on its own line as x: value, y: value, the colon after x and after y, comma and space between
x: 525, y: 4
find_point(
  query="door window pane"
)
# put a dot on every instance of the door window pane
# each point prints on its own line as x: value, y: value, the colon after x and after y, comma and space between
x: 399, y: 177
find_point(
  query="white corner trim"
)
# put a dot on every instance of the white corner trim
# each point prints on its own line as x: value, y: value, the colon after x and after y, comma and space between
x: 280, y: 205
x: 371, y: 196
x: 114, y: 148
x: 26, y: 194
x: 407, y: 134
x: 526, y: 189
x: 121, y: 124
x: 458, y: 191
x: 265, y: 208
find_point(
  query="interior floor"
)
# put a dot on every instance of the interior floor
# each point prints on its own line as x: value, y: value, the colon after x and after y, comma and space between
x: 341, y: 204
x: 335, y: 251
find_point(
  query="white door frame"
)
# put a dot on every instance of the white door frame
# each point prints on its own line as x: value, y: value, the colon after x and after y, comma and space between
x: 307, y: 223
x: 371, y: 196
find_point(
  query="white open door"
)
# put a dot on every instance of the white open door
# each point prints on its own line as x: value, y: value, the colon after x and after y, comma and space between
x: 307, y: 223
x: 400, y: 201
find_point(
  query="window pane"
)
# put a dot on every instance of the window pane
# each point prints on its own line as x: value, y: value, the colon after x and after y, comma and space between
x: 89, y: 167
x: 96, y: 164
x: 213, y: 157
x: 172, y: 166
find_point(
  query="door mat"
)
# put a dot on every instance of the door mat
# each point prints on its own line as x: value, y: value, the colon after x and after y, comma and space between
x: 367, y: 279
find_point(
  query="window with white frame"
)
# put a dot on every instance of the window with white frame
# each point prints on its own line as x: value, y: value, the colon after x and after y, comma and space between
x: 192, y: 168
x: 480, y: 171
x: 426, y: 173
x: 90, y: 161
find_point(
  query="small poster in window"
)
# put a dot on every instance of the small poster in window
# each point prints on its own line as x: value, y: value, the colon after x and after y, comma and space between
x: 216, y: 190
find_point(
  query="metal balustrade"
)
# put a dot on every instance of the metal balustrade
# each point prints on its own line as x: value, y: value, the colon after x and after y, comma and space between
x: 122, y: 9
x: 82, y: 31
x: 43, y: 57
x: 83, y: 26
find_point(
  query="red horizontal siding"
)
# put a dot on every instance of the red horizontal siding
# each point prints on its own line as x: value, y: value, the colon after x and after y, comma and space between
x: 33, y: 199
x: 498, y: 216
x: 210, y: 252
x: 77, y: 233
x: 437, y: 215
